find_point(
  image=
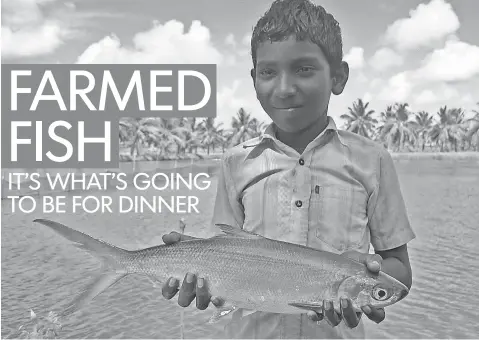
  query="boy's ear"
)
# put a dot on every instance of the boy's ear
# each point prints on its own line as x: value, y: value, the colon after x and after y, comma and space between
x: 340, y: 78
x: 253, y: 73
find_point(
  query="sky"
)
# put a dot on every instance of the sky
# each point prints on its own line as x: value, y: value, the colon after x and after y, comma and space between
x: 425, y: 53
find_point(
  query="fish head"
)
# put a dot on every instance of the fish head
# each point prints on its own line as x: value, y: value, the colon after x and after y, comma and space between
x: 378, y: 290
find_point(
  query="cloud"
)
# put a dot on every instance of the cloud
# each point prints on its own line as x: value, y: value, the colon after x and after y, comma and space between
x: 246, y: 39
x: 168, y: 44
x: 467, y: 98
x: 426, y: 97
x: 432, y: 82
x: 367, y: 97
x: 426, y: 25
x: 23, y: 12
x: 376, y: 83
x: 27, y: 31
x: 355, y: 57
x: 362, y: 78
x: 440, y: 94
x: 241, y: 48
x: 227, y: 96
x: 31, y: 41
x: 230, y: 40
x: 239, y: 95
x: 457, y: 61
x: 384, y: 59
x: 398, y: 88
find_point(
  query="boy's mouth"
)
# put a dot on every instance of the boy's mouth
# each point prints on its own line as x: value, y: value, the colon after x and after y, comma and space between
x: 288, y: 108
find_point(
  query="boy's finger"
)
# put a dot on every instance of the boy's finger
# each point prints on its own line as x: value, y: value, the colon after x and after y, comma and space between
x: 171, y: 238
x: 374, y: 314
x: 217, y: 301
x: 170, y: 288
x: 314, y: 316
x: 374, y: 262
x: 202, y: 294
x: 187, y: 290
x: 331, y: 316
x: 349, y: 315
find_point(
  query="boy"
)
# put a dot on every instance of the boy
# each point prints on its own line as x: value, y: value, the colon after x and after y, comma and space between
x: 304, y: 181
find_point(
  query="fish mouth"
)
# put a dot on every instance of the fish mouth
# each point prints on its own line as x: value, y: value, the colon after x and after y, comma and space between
x: 403, y: 294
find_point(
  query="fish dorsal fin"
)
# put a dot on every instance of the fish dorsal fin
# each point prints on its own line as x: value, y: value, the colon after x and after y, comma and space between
x: 237, y: 232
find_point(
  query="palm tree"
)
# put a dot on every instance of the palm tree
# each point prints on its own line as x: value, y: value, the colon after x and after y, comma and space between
x: 256, y: 128
x: 181, y: 135
x: 384, y: 117
x: 422, y: 126
x: 151, y: 132
x: 359, y: 119
x: 210, y: 134
x: 450, y: 129
x: 226, y: 138
x: 397, y: 129
x: 244, y: 127
x: 125, y: 129
x: 474, y: 129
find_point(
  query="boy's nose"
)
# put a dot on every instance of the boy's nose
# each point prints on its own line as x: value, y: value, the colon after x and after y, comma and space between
x: 285, y: 87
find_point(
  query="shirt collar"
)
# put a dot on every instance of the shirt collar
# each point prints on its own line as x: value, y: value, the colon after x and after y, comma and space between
x: 269, y: 134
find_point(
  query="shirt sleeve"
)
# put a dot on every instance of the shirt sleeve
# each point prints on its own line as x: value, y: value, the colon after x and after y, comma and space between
x: 228, y: 208
x: 388, y: 220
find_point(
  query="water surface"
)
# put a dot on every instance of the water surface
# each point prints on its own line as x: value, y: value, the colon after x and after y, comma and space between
x: 41, y: 269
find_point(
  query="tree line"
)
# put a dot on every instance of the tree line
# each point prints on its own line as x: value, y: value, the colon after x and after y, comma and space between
x: 400, y: 130
x: 397, y: 128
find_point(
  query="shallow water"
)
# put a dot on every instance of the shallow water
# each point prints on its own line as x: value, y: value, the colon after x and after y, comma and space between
x: 41, y: 269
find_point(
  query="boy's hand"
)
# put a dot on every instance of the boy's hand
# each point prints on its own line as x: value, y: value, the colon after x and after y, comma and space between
x: 333, y: 317
x: 175, y: 237
x: 191, y: 287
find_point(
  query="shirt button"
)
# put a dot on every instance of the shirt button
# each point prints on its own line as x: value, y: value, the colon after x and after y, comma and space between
x: 301, y: 161
x: 299, y: 203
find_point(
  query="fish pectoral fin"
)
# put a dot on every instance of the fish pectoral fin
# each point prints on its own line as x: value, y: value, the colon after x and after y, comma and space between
x: 221, y: 312
x: 308, y: 306
x: 246, y: 312
x: 237, y: 232
x: 97, y: 286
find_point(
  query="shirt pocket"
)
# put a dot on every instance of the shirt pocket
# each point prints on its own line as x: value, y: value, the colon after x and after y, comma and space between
x: 253, y: 201
x: 338, y: 216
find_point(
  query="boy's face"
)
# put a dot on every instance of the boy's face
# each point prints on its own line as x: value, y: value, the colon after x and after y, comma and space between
x: 293, y: 83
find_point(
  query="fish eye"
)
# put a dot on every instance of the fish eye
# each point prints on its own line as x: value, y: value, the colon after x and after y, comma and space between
x: 380, y: 293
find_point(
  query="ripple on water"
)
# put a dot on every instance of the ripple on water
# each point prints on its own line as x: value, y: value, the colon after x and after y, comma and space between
x: 41, y: 270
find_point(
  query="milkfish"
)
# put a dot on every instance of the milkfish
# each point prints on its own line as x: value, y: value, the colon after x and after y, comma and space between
x: 246, y: 270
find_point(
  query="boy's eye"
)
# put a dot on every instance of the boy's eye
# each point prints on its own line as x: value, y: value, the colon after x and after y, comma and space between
x: 305, y: 69
x: 266, y: 72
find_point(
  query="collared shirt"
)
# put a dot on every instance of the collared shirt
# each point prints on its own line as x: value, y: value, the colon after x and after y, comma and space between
x: 341, y: 193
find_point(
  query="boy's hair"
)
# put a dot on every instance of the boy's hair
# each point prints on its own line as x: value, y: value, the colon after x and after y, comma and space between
x: 304, y: 20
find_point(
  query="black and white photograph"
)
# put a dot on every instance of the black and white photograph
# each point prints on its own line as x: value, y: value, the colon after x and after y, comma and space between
x: 239, y: 169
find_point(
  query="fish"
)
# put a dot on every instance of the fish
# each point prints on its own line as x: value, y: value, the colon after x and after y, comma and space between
x: 246, y: 270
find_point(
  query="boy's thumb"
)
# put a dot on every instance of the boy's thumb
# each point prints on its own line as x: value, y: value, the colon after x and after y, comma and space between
x: 171, y: 238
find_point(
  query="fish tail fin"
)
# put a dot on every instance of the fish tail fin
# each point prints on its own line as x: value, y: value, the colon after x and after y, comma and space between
x: 112, y: 269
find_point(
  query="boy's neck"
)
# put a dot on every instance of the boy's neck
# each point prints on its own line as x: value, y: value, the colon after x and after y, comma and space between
x: 300, y: 140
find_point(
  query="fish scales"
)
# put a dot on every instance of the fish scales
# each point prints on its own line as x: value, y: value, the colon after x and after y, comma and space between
x: 247, y: 270
x: 271, y: 274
